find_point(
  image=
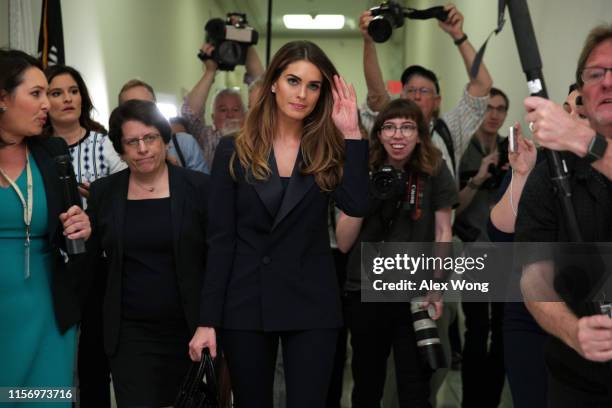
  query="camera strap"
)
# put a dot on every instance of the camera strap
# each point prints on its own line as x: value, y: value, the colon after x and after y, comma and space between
x: 413, y: 196
x: 432, y: 12
x: 501, y: 10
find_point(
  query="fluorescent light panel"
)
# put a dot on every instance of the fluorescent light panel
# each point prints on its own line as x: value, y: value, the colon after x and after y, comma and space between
x: 319, y: 22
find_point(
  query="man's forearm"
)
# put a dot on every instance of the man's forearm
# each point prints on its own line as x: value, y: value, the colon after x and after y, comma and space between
x: 556, y: 319
x: 481, y: 85
x: 466, y: 195
x: 377, y: 92
x: 196, y: 98
x: 254, y: 67
x: 545, y: 305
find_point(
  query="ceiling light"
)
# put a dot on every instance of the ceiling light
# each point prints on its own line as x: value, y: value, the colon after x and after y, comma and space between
x: 319, y: 22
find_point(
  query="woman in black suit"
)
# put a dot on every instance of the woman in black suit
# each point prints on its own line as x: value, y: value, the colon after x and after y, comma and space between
x: 150, y: 220
x: 270, y: 272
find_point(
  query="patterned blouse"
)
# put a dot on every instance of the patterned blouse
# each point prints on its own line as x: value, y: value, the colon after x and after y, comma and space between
x: 94, y: 157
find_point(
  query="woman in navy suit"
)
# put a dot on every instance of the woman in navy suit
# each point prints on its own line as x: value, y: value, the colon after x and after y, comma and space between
x: 270, y: 272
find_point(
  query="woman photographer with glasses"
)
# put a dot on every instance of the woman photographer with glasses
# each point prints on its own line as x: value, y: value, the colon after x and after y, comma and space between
x: 150, y: 221
x: 400, y: 144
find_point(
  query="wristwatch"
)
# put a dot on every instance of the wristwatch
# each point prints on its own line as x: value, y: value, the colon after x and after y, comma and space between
x: 597, y: 148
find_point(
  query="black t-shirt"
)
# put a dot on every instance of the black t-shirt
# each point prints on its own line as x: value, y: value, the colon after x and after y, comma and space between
x: 540, y: 219
x: 386, y: 222
x: 149, y: 283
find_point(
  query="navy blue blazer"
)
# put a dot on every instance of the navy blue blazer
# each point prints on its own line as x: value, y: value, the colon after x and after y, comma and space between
x: 106, y: 209
x: 269, y: 263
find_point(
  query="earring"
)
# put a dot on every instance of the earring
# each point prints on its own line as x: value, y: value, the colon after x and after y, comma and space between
x: 2, y: 109
x: 273, y: 89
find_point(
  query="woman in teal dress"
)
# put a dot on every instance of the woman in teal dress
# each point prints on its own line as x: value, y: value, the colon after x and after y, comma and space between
x: 39, y: 284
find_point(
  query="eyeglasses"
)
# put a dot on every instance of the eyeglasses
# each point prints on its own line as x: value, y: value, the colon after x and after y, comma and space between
x: 406, y: 130
x: 499, y: 109
x: 593, y: 75
x: 147, y: 139
x: 423, y: 91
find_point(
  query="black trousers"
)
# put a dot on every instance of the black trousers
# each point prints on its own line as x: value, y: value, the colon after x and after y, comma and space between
x: 482, y: 367
x: 308, y: 357
x: 334, y: 395
x: 150, y: 364
x: 376, y: 328
x: 93, y: 366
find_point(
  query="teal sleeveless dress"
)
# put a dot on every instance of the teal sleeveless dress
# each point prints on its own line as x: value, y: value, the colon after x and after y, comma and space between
x: 33, y: 353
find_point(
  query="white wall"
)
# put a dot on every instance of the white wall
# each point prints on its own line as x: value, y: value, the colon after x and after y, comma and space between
x: 4, y: 31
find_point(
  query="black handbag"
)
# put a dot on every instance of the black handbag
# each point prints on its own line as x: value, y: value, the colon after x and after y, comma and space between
x: 200, y: 388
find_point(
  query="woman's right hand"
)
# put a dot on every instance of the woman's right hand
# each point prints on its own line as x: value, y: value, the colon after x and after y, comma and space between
x: 203, y: 337
x: 524, y: 159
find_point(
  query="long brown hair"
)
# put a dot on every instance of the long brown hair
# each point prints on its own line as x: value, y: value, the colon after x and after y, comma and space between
x: 322, y: 144
x: 424, y: 158
x: 86, y: 119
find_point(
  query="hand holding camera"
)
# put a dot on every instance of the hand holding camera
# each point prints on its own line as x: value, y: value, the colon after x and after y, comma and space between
x: 453, y: 25
x: 488, y: 163
x: 206, y: 51
x: 390, y: 15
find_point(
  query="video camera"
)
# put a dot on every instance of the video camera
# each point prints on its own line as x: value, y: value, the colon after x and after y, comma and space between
x: 231, y: 39
x: 390, y: 15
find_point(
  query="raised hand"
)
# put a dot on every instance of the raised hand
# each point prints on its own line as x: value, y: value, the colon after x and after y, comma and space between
x: 344, y: 113
x: 364, y: 22
x: 453, y: 25
x: 524, y: 159
x: 209, y: 64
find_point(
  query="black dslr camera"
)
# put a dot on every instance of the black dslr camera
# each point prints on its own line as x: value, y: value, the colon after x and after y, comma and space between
x: 390, y: 15
x: 387, y: 183
x: 231, y: 39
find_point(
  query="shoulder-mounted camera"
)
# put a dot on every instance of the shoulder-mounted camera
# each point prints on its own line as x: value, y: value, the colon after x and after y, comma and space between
x: 231, y: 39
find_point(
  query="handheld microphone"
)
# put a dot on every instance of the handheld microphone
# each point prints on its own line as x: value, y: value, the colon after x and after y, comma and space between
x: 68, y: 182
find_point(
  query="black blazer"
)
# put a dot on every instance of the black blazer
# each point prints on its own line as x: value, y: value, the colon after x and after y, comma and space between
x: 188, y: 199
x: 68, y: 280
x: 270, y: 265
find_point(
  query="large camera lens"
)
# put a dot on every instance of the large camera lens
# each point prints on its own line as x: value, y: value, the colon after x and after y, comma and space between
x: 427, y: 337
x: 386, y: 183
x: 230, y: 53
x: 380, y: 28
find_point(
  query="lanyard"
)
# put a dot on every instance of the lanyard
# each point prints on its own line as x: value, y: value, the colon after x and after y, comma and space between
x: 27, y: 210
